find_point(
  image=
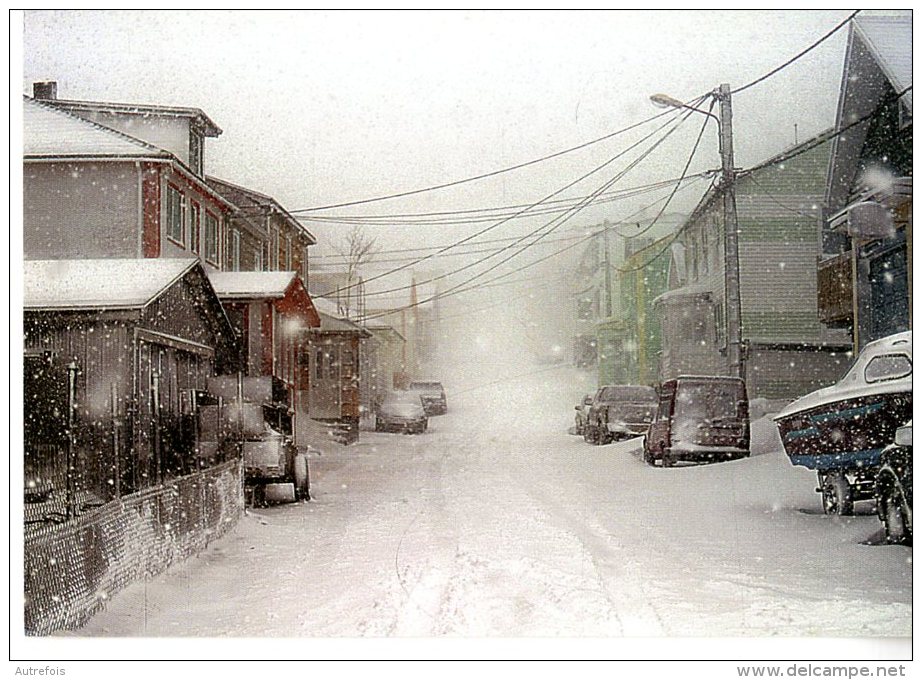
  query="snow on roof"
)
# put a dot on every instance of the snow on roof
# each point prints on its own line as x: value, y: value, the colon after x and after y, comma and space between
x: 685, y: 291
x: 251, y: 284
x: 889, y: 38
x: 332, y: 320
x: 48, y: 132
x: 99, y: 284
x: 208, y: 126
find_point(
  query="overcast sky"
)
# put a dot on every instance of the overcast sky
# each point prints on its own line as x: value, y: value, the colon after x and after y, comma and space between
x: 321, y: 108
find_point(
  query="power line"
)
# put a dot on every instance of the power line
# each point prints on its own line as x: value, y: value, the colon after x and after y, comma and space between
x: 484, y: 175
x: 684, y: 116
x: 503, y: 221
x: 797, y: 56
x: 495, y: 278
x: 489, y: 214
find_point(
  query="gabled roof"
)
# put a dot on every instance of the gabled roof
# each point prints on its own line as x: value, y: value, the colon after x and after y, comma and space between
x: 878, y: 58
x: 208, y: 126
x: 99, y: 284
x: 285, y: 288
x: 333, y: 322
x: 50, y: 133
x: 249, y: 201
x: 889, y: 39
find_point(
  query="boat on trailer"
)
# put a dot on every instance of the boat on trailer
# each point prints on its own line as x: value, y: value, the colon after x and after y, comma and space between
x: 841, y: 431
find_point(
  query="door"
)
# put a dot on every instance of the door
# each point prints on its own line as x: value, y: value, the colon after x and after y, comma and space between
x: 325, y: 387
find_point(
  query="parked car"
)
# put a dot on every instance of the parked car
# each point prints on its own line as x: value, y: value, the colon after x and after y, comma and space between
x: 619, y: 411
x: 700, y: 419
x: 582, y: 413
x: 401, y: 410
x: 433, y: 396
x: 893, y: 487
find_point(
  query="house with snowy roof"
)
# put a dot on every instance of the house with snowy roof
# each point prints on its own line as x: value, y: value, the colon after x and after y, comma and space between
x: 263, y: 235
x: 787, y: 351
x: 865, y: 267
x: 121, y: 473
x: 272, y: 315
x: 92, y: 191
x: 336, y: 368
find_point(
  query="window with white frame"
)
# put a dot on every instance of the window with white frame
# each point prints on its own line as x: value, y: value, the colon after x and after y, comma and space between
x: 235, y: 250
x: 175, y: 214
x: 212, y: 242
x: 288, y: 253
x: 195, y: 227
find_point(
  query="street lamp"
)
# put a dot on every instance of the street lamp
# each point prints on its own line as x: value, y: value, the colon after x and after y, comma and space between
x: 731, y: 227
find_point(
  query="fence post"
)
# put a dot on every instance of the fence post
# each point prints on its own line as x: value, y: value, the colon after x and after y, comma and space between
x: 71, y: 491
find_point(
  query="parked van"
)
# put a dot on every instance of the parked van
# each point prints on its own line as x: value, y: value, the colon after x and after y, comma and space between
x: 699, y: 419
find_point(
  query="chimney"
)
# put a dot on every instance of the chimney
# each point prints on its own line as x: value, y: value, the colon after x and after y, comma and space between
x: 45, y: 90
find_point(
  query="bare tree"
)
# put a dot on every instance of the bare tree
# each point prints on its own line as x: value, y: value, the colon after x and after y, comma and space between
x: 357, y: 249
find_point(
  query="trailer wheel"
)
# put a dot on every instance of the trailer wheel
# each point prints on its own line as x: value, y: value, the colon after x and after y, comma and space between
x: 895, y: 517
x: 838, y: 498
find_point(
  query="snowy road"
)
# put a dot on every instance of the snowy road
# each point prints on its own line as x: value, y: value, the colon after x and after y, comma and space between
x: 496, y: 522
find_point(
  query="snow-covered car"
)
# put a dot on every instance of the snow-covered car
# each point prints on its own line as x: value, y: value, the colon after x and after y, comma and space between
x: 401, y: 411
x: 699, y: 419
x: 893, y: 487
x: 619, y: 412
x: 582, y: 413
x: 432, y: 395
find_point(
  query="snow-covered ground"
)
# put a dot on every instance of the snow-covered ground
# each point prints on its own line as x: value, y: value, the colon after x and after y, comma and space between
x: 497, y: 523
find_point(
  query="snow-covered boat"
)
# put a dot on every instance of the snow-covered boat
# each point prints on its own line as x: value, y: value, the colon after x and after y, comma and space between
x: 840, y: 431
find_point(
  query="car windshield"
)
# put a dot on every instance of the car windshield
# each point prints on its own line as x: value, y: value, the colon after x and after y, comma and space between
x: 402, y: 398
x: 632, y: 393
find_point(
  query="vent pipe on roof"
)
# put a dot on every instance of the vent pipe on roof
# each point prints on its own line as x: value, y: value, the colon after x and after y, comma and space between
x: 45, y: 90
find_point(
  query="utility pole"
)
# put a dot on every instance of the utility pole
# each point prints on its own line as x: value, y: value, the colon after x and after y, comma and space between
x: 731, y: 236
x: 607, y: 260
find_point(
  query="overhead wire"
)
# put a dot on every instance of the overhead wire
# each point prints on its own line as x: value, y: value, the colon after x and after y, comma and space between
x: 503, y: 221
x: 798, y: 55
x: 483, y: 175
x: 550, y: 227
x: 478, y: 286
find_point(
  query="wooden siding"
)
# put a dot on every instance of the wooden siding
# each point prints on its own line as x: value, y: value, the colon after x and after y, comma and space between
x: 80, y: 210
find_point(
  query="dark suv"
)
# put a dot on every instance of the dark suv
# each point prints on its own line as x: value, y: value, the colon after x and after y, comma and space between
x: 701, y: 419
x: 619, y: 412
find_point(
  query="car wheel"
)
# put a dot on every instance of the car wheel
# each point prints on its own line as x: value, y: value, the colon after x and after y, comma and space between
x: 302, y: 478
x: 837, y: 495
x: 895, y: 517
x: 587, y: 433
x: 666, y: 460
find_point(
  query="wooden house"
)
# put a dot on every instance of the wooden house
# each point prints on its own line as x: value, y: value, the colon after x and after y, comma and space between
x: 787, y: 352
x: 91, y: 191
x: 120, y: 475
x: 335, y: 368
x: 272, y: 315
x: 865, y: 269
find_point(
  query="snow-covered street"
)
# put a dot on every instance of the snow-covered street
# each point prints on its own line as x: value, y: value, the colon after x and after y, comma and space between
x: 497, y: 522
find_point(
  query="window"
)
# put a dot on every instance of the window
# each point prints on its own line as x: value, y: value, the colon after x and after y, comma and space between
x: 318, y: 364
x: 195, y: 227
x: 175, y: 214
x: 212, y: 245
x: 705, y: 253
x: 235, y: 250
x: 288, y: 253
x: 258, y: 259
x: 888, y: 367
x: 274, y: 253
